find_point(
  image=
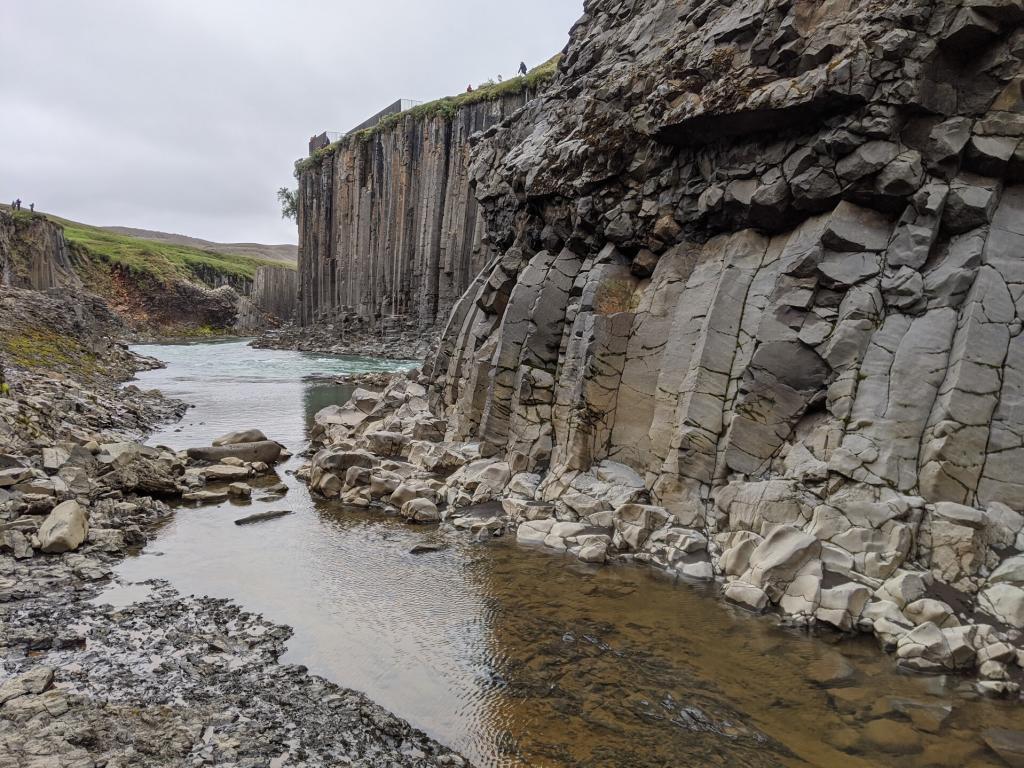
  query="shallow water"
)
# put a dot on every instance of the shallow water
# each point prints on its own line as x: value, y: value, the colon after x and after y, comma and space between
x: 518, y: 656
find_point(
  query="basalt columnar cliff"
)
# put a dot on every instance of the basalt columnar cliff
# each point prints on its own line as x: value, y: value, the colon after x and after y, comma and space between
x: 757, y: 239
x: 388, y: 225
x: 753, y: 310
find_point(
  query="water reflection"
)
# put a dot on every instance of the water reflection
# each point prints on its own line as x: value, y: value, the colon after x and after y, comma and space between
x: 520, y: 657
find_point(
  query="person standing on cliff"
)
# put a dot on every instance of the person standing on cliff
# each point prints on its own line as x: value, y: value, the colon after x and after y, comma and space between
x: 32, y: 207
x: 522, y: 68
x: 17, y: 204
x: 469, y: 88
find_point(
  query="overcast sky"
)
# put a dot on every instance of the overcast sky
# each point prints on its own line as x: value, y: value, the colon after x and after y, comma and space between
x: 186, y: 115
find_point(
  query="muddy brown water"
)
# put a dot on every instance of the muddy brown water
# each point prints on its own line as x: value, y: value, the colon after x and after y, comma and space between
x: 519, y: 656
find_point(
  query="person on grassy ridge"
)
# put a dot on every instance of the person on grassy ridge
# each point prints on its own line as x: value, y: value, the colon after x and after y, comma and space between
x: 522, y: 67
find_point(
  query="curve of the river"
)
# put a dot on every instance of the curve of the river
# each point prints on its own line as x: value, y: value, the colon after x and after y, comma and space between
x: 516, y: 656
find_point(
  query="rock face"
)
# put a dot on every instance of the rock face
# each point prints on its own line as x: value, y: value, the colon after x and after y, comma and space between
x: 274, y: 292
x: 765, y: 258
x: 797, y: 255
x: 388, y: 226
x: 33, y: 254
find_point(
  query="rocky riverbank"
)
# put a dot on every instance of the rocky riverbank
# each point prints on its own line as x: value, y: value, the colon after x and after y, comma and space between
x: 351, y: 338
x: 170, y: 680
x: 386, y: 450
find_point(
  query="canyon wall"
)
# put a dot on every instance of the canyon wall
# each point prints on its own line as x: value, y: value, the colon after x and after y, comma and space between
x: 768, y: 256
x: 34, y: 254
x: 388, y: 225
x: 274, y: 291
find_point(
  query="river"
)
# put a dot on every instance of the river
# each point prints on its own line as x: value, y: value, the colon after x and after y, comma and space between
x: 517, y: 656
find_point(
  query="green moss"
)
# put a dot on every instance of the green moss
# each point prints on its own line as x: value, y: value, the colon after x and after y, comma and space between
x: 42, y: 348
x: 447, y: 108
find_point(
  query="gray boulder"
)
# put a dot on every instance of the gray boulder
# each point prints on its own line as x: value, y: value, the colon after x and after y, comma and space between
x: 64, y: 529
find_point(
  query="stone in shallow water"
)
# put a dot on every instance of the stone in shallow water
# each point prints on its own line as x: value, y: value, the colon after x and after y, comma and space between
x: 830, y: 670
x: 892, y: 736
x: 205, y: 497
x: 225, y: 472
x: 1009, y: 745
x: 260, y: 517
x: 244, y: 436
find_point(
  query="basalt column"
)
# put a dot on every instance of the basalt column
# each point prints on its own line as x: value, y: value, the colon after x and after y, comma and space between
x: 389, y: 227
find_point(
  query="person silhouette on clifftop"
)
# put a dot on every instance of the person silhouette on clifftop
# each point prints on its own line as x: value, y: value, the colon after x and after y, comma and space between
x: 522, y: 67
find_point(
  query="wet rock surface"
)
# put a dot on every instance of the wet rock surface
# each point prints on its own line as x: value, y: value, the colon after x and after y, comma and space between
x: 169, y: 681
x: 179, y: 681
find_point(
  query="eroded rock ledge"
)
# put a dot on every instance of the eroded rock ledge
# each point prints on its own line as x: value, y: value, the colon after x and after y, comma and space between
x: 755, y: 314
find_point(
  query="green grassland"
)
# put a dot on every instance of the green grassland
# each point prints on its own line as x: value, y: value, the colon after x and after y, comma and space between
x: 446, y: 107
x: 163, y: 261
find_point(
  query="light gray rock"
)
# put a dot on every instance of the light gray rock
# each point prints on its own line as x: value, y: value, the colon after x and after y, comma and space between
x: 266, y: 451
x: 420, y: 511
x: 245, y: 436
x: 64, y: 529
x: 1005, y: 602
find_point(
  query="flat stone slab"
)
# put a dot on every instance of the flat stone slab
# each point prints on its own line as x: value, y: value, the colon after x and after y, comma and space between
x: 225, y: 472
x: 205, y: 497
x: 266, y: 451
x: 262, y: 516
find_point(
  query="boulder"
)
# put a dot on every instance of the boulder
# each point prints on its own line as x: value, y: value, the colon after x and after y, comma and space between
x: 747, y: 595
x: 240, y: 490
x: 1010, y: 571
x: 635, y: 522
x: 420, y: 511
x: 14, y: 475
x: 245, y: 436
x: 206, y: 497
x: 386, y: 443
x: 266, y: 451
x: 776, y: 560
x: 593, y: 552
x: 534, y: 531
x: 225, y: 473
x: 64, y: 529
x: 1005, y: 602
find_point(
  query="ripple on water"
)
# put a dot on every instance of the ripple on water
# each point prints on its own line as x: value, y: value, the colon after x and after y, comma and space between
x: 517, y: 656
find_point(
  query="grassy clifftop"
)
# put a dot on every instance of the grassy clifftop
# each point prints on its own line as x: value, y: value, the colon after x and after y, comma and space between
x: 164, y: 261
x: 155, y: 288
x: 447, y: 107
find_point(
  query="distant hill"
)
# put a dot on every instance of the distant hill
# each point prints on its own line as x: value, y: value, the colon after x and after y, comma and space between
x: 283, y: 253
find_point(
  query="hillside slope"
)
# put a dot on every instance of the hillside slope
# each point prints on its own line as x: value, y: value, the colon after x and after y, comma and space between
x: 160, y: 289
x: 284, y: 252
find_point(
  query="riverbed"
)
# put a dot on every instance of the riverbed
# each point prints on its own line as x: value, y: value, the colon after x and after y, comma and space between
x: 517, y: 656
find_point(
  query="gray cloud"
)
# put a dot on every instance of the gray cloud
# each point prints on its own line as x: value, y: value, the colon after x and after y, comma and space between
x: 185, y: 116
